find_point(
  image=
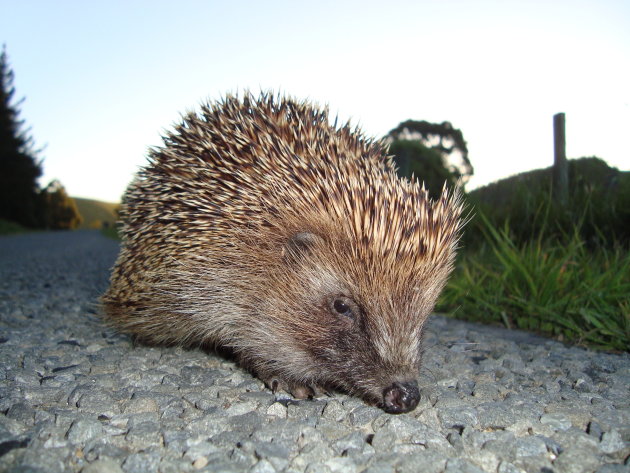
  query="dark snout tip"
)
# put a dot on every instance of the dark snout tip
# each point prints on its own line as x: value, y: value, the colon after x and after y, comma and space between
x: 401, y: 397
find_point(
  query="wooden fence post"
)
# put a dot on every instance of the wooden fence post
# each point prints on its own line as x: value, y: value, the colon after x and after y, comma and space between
x: 560, y: 185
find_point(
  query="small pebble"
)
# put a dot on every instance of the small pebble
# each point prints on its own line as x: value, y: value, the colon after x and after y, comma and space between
x: 200, y: 463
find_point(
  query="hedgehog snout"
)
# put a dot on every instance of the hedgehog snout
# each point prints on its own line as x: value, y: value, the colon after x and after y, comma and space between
x: 401, y: 397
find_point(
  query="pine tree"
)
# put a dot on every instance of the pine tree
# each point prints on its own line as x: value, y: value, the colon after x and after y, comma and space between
x: 20, y: 199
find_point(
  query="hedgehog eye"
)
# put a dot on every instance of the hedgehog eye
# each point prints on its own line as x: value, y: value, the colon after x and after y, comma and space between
x: 343, y: 306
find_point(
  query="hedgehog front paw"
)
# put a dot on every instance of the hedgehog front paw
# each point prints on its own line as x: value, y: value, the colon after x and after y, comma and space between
x: 297, y: 390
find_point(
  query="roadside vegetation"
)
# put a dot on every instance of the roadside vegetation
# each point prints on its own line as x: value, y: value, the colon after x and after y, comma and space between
x: 562, y: 289
x: 111, y: 231
x: 10, y: 228
x: 530, y: 264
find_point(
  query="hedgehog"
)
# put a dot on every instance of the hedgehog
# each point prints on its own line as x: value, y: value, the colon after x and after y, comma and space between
x: 263, y: 228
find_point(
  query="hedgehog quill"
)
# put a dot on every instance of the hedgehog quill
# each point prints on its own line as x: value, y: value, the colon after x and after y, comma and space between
x: 260, y: 227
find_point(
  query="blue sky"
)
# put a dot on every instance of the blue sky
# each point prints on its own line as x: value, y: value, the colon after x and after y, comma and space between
x: 103, y: 80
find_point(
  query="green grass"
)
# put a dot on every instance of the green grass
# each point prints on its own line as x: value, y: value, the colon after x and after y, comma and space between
x: 598, y: 205
x: 111, y: 232
x: 9, y: 228
x: 559, y: 289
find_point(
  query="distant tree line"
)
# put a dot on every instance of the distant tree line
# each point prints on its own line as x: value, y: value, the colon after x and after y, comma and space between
x: 21, y: 199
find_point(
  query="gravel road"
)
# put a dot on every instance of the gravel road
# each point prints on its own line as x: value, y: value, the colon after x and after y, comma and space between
x: 76, y: 396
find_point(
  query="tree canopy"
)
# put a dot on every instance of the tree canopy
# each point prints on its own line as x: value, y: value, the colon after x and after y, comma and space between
x: 414, y: 158
x: 441, y: 137
x: 61, y: 210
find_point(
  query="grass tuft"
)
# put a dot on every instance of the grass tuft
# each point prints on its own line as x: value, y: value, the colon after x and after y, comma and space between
x: 565, y: 290
x: 9, y: 228
x: 111, y: 231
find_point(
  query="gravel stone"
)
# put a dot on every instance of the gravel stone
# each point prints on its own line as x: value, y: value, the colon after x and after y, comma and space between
x: 282, y: 431
x: 331, y: 430
x: 496, y: 415
x: 355, y: 440
x: 486, y: 460
x: 425, y: 462
x: 239, y: 408
x: 610, y: 468
x: 98, y: 403
x: 383, y: 441
x: 83, y: 430
x: 534, y: 464
x: 306, y: 411
x: 530, y: 447
x: 277, y: 410
x: 76, y: 396
x: 458, y: 417
x: 505, y: 467
x: 142, y: 463
x: 556, y: 421
x: 102, y: 466
x: 334, y: 410
x: 459, y: 465
x: 363, y: 415
x: 576, y: 460
x: 276, y: 454
x: 201, y: 449
x: 263, y: 466
x: 612, y: 442
x: 315, y: 453
x: 104, y: 449
x: 22, y: 412
x: 137, y: 405
x: 144, y: 435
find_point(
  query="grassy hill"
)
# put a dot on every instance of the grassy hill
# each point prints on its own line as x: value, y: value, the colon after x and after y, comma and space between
x: 598, y: 204
x: 560, y: 269
x: 95, y: 213
x: 591, y: 172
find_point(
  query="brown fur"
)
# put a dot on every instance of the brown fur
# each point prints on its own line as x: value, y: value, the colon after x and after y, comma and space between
x: 254, y: 218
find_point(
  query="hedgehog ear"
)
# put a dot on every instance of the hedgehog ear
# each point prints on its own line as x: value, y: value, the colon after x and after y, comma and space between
x: 302, y: 243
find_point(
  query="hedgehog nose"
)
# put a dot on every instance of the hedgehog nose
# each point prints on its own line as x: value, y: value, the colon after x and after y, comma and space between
x: 401, y: 397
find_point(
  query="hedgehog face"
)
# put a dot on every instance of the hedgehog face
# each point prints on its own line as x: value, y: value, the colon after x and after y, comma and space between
x: 364, y: 356
x: 348, y: 329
